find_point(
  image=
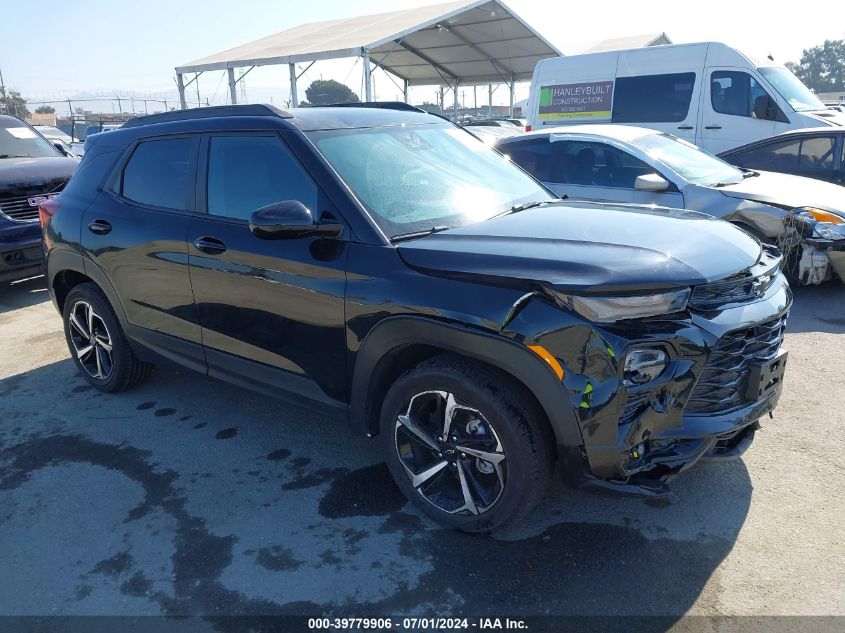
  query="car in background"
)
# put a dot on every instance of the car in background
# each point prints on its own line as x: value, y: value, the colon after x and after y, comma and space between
x: 63, y: 142
x: 32, y: 171
x: 491, y: 134
x: 384, y: 266
x: 814, y: 153
x: 839, y: 106
x: 620, y: 163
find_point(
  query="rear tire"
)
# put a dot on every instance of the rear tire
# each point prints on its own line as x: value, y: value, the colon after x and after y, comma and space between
x: 494, y: 464
x: 98, y: 344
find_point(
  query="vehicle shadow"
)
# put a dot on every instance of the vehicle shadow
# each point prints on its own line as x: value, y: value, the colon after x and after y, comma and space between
x: 23, y: 293
x: 212, y: 500
x: 818, y: 308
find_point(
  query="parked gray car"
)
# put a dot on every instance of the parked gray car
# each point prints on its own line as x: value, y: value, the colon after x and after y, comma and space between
x: 804, y: 217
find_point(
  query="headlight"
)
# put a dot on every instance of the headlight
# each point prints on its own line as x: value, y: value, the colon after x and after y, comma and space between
x: 644, y: 365
x: 824, y: 224
x: 610, y: 309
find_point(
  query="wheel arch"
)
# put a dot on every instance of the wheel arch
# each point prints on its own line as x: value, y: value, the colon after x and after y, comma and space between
x: 398, y: 343
x: 66, y: 269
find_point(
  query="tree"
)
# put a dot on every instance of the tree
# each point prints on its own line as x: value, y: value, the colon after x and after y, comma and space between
x: 328, y: 91
x: 12, y: 103
x: 45, y: 109
x: 822, y: 68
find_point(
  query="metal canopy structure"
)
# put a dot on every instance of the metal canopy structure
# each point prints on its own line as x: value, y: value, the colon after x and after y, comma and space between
x: 449, y: 44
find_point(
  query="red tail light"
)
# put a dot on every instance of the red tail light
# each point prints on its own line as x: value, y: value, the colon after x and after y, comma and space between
x: 47, y: 210
x: 527, y: 128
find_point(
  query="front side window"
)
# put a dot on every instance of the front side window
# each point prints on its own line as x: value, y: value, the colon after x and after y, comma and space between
x: 18, y: 140
x: 533, y: 155
x: 688, y: 161
x: 781, y: 156
x: 738, y: 93
x: 418, y: 177
x: 653, y: 98
x: 597, y: 164
x: 158, y: 173
x: 816, y: 154
x: 246, y: 173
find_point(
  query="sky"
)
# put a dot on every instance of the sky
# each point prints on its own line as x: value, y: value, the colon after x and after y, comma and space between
x: 131, y: 48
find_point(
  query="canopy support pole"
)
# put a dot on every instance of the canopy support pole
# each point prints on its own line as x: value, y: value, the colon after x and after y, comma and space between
x: 456, y: 100
x: 405, y: 91
x: 489, y: 100
x: 180, y: 84
x: 294, y: 100
x: 233, y: 91
x: 368, y: 76
x: 512, y: 87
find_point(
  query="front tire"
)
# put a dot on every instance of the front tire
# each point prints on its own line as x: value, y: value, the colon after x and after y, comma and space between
x: 98, y: 344
x: 466, y: 444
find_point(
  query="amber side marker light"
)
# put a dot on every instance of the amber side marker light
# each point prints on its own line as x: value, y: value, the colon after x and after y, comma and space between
x: 551, y: 361
x: 824, y: 216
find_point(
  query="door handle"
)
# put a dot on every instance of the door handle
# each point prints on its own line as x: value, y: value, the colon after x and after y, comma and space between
x: 210, y: 245
x: 100, y: 227
x: 685, y: 127
x: 712, y: 127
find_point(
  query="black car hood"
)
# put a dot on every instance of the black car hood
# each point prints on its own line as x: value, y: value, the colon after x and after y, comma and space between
x: 26, y: 173
x: 589, y: 249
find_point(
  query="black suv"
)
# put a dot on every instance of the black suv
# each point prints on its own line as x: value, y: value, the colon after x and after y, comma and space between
x: 31, y: 171
x: 387, y: 266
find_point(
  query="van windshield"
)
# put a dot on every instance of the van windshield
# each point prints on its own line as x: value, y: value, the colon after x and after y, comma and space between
x: 419, y: 177
x: 790, y: 88
x: 689, y: 161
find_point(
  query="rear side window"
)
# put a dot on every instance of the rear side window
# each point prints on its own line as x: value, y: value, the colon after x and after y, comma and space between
x: 534, y: 156
x: 158, y: 175
x: 249, y: 172
x: 738, y: 93
x: 653, y: 98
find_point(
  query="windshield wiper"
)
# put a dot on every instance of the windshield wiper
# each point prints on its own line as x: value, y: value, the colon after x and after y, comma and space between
x: 523, y: 206
x: 416, y: 234
x: 15, y: 156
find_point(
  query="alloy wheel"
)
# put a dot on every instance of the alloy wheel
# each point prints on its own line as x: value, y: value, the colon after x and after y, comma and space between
x: 91, y: 340
x: 451, y: 453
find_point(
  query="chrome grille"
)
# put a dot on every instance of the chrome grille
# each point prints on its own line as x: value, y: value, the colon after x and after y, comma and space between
x: 18, y: 209
x: 722, y: 385
x: 718, y: 294
x: 16, y: 204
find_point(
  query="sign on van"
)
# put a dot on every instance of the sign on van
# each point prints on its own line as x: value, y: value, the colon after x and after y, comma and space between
x: 590, y: 100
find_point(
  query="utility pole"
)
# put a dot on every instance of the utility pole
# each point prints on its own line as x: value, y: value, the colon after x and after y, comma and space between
x: 3, y: 92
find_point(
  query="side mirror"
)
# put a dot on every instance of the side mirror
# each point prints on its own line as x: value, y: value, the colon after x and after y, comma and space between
x: 288, y: 219
x: 62, y: 149
x: 651, y: 182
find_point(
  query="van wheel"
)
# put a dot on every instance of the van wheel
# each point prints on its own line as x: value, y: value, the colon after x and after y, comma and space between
x: 466, y: 444
x: 97, y: 343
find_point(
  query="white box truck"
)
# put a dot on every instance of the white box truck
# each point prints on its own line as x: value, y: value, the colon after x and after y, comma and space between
x: 709, y: 94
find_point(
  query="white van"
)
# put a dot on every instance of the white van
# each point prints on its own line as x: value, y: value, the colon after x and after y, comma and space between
x: 709, y: 94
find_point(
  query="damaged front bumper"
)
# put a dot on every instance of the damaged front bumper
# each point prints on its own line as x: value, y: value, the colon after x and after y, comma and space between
x: 725, y: 372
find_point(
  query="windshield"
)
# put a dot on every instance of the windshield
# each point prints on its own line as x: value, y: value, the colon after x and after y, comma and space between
x: 19, y: 140
x: 688, y: 161
x: 415, y: 178
x: 790, y: 88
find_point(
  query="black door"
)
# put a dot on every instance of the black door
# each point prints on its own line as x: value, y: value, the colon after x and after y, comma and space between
x: 272, y: 311
x: 136, y: 232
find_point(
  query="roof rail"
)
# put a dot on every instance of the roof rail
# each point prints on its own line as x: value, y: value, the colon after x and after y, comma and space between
x: 207, y: 113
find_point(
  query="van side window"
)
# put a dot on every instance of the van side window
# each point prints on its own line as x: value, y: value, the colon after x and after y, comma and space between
x: 738, y: 93
x: 248, y: 172
x: 157, y: 173
x: 652, y: 98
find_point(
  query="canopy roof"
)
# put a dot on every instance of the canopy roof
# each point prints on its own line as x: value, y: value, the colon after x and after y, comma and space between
x: 472, y: 42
